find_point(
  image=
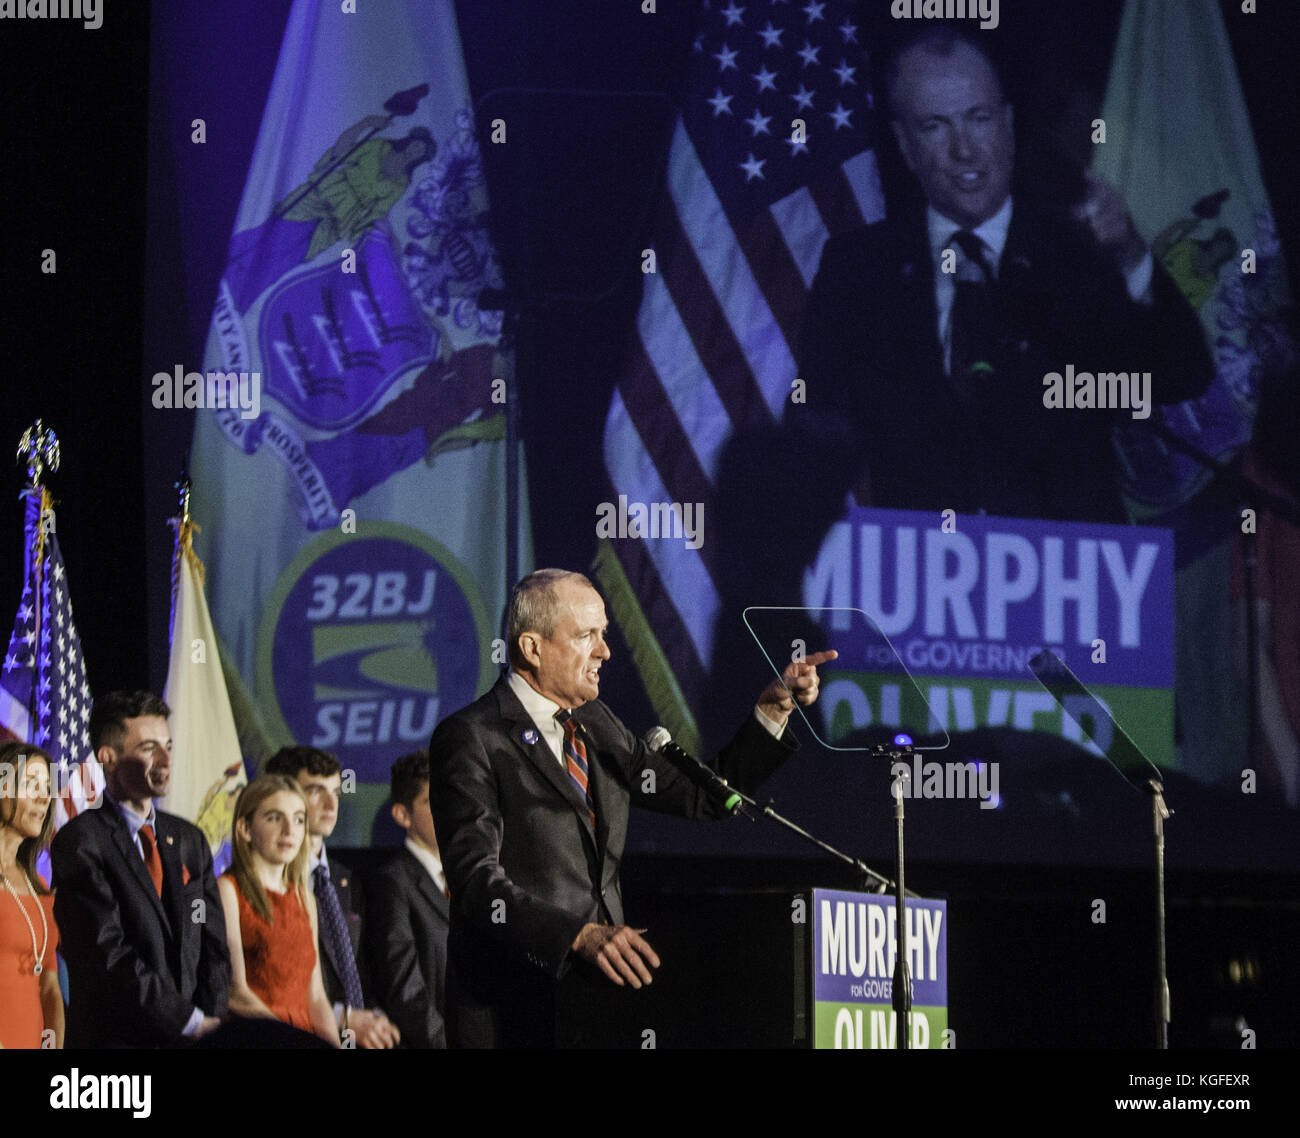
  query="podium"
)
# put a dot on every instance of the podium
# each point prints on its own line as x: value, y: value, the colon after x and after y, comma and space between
x: 811, y: 968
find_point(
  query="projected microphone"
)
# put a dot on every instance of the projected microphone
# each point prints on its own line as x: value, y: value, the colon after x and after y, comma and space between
x: 659, y: 740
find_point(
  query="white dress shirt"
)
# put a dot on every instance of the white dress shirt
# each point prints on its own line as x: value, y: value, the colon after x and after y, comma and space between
x: 993, y: 233
x: 431, y: 862
x: 542, y: 712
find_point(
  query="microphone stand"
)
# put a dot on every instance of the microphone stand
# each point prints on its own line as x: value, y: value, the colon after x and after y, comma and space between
x: 735, y: 802
x: 901, y: 994
x: 1139, y: 772
x: 1159, y: 812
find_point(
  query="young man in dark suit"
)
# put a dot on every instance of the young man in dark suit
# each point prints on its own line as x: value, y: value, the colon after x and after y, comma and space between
x: 140, y: 919
x: 929, y: 334
x: 337, y: 898
x: 531, y: 787
x: 408, y: 914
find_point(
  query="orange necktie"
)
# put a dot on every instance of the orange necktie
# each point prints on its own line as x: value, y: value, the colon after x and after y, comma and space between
x: 153, y: 863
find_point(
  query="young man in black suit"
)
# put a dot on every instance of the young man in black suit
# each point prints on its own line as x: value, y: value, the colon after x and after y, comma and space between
x: 531, y: 787
x: 337, y: 898
x: 139, y: 916
x: 937, y: 402
x: 408, y: 915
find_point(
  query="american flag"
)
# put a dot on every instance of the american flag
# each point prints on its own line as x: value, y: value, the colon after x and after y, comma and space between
x: 44, y: 697
x: 771, y: 155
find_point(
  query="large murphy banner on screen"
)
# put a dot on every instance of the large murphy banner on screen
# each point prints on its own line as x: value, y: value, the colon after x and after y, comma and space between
x: 967, y: 602
x: 853, y: 956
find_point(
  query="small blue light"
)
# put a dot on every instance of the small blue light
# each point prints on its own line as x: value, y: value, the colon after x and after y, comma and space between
x: 901, y: 740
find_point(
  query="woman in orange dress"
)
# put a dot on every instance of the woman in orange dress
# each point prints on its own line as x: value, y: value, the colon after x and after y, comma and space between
x: 271, y: 913
x: 31, y: 1006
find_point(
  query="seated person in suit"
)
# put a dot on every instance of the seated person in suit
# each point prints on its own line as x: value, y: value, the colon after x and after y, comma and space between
x: 407, y: 915
x: 30, y: 1001
x: 142, y: 972
x: 271, y: 914
x: 337, y: 900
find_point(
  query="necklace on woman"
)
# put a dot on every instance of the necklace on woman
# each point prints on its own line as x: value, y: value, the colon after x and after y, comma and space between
x: 45, y: 928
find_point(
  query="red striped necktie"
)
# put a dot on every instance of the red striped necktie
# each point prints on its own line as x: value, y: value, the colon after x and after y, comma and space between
x: 575, y: 758
x: 153, y: 863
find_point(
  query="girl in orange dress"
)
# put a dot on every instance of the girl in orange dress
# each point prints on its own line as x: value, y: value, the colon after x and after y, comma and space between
x: 30, y: 1002
x: 271, y: 913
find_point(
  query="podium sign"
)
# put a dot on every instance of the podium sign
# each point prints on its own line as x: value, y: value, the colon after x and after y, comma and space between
x: 852, y: 963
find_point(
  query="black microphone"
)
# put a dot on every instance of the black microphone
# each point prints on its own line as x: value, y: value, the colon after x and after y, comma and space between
x: 659, y: 740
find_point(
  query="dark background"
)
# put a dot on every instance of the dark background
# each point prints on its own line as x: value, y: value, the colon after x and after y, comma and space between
x: 99, y: 167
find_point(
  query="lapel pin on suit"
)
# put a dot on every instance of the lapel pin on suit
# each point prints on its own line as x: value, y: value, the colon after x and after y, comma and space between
x: 170, y: 840
x: 530, y: 737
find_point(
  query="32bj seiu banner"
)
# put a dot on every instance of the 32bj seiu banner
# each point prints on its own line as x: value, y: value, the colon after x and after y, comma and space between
x: 967, y: 601
x: 353, y: 495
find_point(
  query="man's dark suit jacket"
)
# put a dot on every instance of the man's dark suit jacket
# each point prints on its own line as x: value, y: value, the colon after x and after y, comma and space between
x: 876, y: 390
x: 349, y: 894
x: 406, y: 929
x: 138, y: 966
x: 525, y: 867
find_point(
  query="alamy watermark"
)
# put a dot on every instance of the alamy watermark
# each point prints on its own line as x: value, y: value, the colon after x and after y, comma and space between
x: 683, y: 521
x: 89, y: 12
x: 218, y: 390
x: 1107, y: 390
x: 928, y: 779
x: 63, y: 779
x: 986, y: 11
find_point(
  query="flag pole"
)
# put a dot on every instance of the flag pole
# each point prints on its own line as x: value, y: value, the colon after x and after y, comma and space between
x: 183, y: 526
x: 38, y: 449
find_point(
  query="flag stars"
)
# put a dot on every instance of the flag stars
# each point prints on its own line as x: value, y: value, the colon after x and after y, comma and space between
x: 771, y: 36
x: 803, y: 97
x: 758, y: 123
x: 846, y: 73
x: 753, y: 167
x: 849, y: 31
x: 698, y: 46
x: 808, y: 53
x: 765, y: 80
x: 840, y: 117
x: 797, y: 146
x: 733, y: 14
x: 720, y: 103
x: 814, y: 10
x: 726, y: 58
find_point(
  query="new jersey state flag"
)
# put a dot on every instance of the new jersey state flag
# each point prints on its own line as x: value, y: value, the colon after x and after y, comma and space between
x: 352, y: 481
x: 1179, y: 146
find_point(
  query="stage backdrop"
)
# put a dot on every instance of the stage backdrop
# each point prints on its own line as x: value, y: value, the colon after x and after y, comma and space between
x: 351, y: 489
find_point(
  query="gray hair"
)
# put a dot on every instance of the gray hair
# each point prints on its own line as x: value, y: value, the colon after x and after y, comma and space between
x: 941, y: 40
x: 533, y: 604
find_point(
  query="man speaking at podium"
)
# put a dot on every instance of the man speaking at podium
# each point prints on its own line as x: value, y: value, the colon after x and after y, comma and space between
x: 530, y: 787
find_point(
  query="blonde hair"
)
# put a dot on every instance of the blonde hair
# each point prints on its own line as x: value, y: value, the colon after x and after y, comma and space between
x: 241, y: 862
